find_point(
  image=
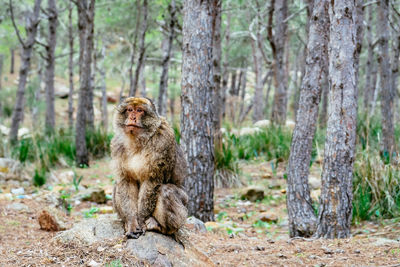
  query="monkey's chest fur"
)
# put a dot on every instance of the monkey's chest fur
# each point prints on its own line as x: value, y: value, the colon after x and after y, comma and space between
x: 136, y: 166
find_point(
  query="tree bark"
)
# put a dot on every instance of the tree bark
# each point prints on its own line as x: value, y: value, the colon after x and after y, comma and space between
x: 196, y: 117
x: 335, y: 211
x: 302, y: 220
x: 12, y: 63
x: 102, y: 71
x: 82, y: 156
x: 142, y: 79
x: 388, y: 142
x: 134, y: 45
x: 279, y: 107
x: 50, y: 120
x: 27, y: 47
x: 1, y: 78
x: 70, y: 68
x: 167, y: 47
x: 142, y: 48
x: 225, y: 72
x: 370, y: 64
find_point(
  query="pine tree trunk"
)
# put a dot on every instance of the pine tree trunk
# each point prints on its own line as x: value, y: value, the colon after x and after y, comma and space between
x: 82, y: 156
x: 134, y: 46
x: 196, y: 117
x: 335, y: 211
x: 225, y: 65
x: 302, y: 220
x: 386, y: 79
x: 370, y: 65
x: 216, y: 105
x: 142, y: 79
x: 142, y: 48
x: 1, y: 77
x: 50, y: 121
x: 167, y: 47
x: 102, y: 71
x: 258, y: 105
x: 279, y: 107
x: 70, y: 68
x: 27, y: 47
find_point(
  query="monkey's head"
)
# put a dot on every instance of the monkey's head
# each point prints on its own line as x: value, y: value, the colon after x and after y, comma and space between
x: 137, y: 116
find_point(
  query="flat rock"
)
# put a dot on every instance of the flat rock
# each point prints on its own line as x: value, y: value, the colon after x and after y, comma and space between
x: 253, y: 193
x: 18, y: 207
x: 92, y: 230
x: 386, y: 242
x: 153, y: 248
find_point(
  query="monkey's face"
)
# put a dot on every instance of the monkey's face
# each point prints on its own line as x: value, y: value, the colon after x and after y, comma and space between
x: 137, y: 115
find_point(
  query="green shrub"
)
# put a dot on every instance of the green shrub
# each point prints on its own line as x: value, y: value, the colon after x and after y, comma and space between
x: 226, y: 165
x: 98, y: 142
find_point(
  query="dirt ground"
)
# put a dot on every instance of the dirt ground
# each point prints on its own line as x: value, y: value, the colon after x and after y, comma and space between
x: 244, y: 234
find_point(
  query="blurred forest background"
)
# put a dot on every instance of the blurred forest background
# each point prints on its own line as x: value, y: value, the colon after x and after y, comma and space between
x: 65, y: 65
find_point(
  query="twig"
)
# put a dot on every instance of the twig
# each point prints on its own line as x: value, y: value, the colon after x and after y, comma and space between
x: 15, y: 26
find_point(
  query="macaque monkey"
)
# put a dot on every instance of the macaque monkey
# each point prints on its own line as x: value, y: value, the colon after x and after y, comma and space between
x: 150, y: 168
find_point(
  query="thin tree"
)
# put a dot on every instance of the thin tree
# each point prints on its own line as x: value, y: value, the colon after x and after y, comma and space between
x: 142, y: 50
x: 70, y: 67
x: 1, y: 75
x: 12, y: 60
x: 302, y: 220
x: 167, y: 47
x: 52, y: 15
x: 278, y: 41
x: 31, y: 27
x: 335, y: 210
x: 388, y: 143
x: 196, y: 117
x: 87, y: 10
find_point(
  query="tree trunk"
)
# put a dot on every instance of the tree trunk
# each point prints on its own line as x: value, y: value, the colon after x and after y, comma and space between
x: 225, y: 72
x: 216, y: 61
x: 27, y: 47
x: 70, y: 68
x: 1, y: 77
x: 196, y: 118
x: 102, y: 71
x: 388, y: 142
x: 142, y: 79
x: 242, y: 93
x: 279, y: 107
x: 167, y: 47
x: 142, y: 48
x: 323, y: 116
x: 370, y: 65
x: 38, y: 92
x: 395, y: 66
x: 50, y: 121
x: 134, y: 45
x: 82, y: 156
x: 12, y: 63
x: 302, y: 221
x: 258, y: 105
x: 335, y: 211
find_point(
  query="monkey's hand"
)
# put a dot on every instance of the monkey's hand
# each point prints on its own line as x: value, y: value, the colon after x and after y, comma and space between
x: 136, y: 234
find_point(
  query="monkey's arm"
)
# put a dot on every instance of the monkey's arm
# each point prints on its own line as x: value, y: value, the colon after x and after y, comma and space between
x: 147, y: 200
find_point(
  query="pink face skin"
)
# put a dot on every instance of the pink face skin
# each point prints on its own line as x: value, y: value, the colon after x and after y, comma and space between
x: 133, y: 122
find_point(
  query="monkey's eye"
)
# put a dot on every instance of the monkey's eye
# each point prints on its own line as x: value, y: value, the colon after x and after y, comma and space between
x: 139, y: 110
x: 130, y: 109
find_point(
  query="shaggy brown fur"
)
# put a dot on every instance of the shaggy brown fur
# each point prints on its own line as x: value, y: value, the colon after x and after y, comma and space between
x: 150, y: 168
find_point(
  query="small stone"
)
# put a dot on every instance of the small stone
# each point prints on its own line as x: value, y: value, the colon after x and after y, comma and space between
x: 357, y: 251
x: 93, y: 263
x: 100, y: 249
x: 49, y: 222
x: 18, y: 207
x: 18, y: 191
x: 195, y: 225
x: 253, y: 193
x: 260, y: 248
x: 94, y: 195
x: 339, y: 251
x: 282, y: 256
x: 266, y: 176
x: 327, y: 251
x: 268, y: 217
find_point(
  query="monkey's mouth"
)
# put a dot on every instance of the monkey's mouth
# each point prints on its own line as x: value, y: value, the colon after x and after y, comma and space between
x: 132, y: 126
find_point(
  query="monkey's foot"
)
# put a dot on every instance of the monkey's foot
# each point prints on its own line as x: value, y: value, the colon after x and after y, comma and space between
x: 152, y: 224
x: 135, y: 235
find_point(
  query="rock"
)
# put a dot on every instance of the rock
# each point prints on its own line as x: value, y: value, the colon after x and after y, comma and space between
x: 153, y: 248
x: 162, y: 250
x: 111, y: 99
x: 4, y: 130
x: 262, y: 123
x: 93, y: 230
x: 49, y: 222
x: 385, y: 242
x: 24, y: 133
x: 268, y: 217
x: 61, y: 91
x: 253, y: 193
x: 18, y: 207
x: 274, y: 184
x: 11, y: 170
x: 314, y: 182
x: 93, y: 263
x: 94, y: 195
x: 290, y: 124
x: 249, y: 131
x: 18, y: 191
x: 195, y: 225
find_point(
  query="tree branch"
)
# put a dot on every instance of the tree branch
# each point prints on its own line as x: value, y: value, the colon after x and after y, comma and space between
x: 15, y: 25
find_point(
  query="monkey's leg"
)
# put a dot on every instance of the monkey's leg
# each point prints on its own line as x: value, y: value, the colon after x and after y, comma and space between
x: 125, y: 202
x: 147, y: 201
x: 170, y: 211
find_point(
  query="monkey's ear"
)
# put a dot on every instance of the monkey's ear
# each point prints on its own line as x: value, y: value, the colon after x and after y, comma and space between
x: 121, y: 107
x: 153, y: 106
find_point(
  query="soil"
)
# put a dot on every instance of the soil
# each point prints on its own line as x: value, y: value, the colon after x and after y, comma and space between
x: 238, y: 237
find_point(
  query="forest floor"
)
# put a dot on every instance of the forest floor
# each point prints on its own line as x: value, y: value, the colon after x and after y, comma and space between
x: 244, y: 234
